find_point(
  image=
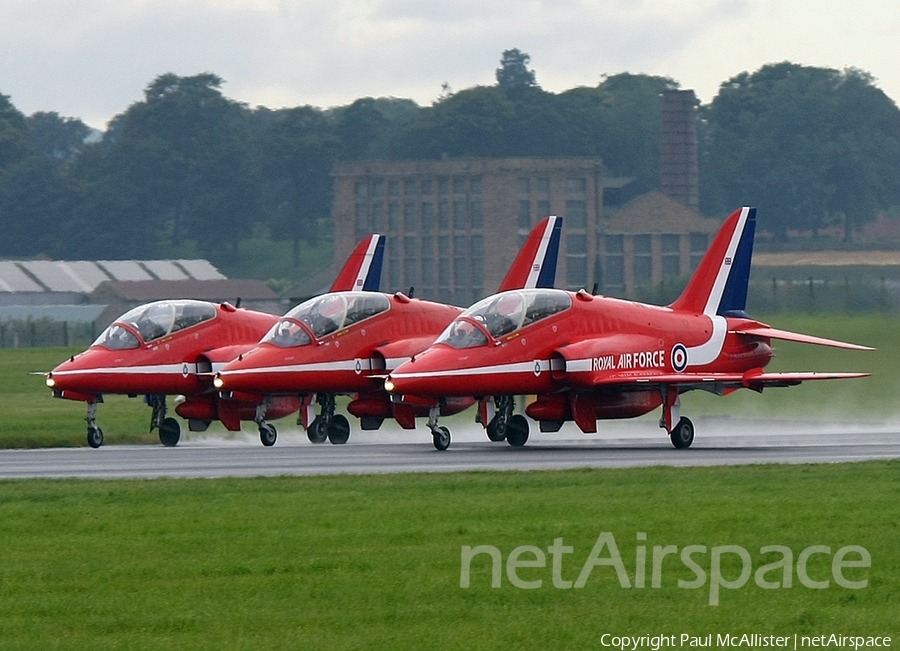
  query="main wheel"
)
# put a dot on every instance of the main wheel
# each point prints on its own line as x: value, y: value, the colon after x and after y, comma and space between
x: 682, y: 434
x: 339, y: 432
x: 267, y: 434
x: 517, y: 431
x: 94, y: 436
x: 318, y: 430
x: 170, y: 432
x: 496, y: 431
x: 440, y: 436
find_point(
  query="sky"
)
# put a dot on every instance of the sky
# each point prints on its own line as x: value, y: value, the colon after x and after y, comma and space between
x: 91, y: 59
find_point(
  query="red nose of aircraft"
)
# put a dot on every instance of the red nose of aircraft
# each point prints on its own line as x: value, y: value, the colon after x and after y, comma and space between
x: 84, y: 373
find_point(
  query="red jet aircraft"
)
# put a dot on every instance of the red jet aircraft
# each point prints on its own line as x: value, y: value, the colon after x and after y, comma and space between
x: 589, y: 357
x: 174, y: 348
x: 346, y: 342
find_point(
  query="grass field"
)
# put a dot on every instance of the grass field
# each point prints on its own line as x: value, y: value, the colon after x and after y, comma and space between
x: 33, y: 419
x: 374, y: 562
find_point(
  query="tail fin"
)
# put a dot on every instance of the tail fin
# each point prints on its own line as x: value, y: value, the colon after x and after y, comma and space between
x: 362, y: 271
x: 535, y: 266
x: 719, y: 285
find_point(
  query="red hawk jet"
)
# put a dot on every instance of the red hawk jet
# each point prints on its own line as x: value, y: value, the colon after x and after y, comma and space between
x: 347, y: 342
x: 174, y: 347
x: 589, y: 357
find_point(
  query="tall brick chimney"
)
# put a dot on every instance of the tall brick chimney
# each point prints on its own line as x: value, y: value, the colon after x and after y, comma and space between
x: 679, y: 171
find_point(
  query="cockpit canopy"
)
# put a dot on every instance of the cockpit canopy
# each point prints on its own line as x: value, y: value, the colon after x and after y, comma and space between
x: 325, y: 314
x: 503, y: 314
x: 153, y: 321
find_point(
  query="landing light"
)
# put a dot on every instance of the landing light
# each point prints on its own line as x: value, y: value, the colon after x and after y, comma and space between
x: 218, y: 382
x: 388, y: 385
x: 50, y: 381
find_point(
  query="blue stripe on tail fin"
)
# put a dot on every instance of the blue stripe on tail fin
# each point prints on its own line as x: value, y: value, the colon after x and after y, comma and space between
x: 734, y: 296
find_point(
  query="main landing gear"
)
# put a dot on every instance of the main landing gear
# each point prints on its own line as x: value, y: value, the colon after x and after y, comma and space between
x: 328, y: 425
x: 169, y: 428
x: 682, y: 434
x: 513, y: 428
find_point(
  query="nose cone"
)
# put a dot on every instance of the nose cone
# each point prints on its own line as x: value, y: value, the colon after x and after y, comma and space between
x: 82, y: 373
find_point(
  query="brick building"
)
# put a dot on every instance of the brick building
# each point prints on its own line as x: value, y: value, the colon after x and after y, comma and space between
x: 454, y: 226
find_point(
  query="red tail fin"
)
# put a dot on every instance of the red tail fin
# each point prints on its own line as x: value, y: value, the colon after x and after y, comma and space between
x: 362, y: 271
x: 535, y: 266
x: 719, y: 285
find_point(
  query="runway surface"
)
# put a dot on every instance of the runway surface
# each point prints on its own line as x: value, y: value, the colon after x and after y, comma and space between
x: 631, y: 444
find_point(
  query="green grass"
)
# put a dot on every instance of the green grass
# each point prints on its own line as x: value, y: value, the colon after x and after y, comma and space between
x: 33, y: 419
x: 373, y: 562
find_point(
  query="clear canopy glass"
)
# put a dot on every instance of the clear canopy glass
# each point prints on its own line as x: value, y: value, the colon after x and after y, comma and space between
x: 326, y: 314
x: 503, y: 314
x: 154, y: 321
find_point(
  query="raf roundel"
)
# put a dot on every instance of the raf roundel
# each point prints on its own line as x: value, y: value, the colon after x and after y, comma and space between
x: 679, y: 358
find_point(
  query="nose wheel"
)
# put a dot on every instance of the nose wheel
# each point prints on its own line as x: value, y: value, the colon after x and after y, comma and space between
x: 94, y: 436
x: 169, y: 432
x: 440, y: 435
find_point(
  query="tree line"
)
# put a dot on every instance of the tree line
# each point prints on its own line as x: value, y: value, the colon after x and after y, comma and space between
x: 188, y: 166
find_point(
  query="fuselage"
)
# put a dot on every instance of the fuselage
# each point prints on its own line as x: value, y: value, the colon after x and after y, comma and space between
x: 336, y: 343
x: 547, y: 341
x: 167, y: 347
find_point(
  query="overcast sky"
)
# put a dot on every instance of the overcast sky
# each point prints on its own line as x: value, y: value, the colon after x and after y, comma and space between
x: 91, y: 59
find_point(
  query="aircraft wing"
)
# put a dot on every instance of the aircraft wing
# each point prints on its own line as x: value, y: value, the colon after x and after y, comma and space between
x: 755, y: 379
x: 758, y: 330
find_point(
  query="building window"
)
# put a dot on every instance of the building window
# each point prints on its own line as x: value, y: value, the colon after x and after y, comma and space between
x: 459, y: 185
x: 524, y: 185
x: 643, y: 261
x: 543, y: 208
x: 409, y: 216
x: 699, y: 242
x: 410, y: 267
x: 361, y: 189
x: 409, y: 187
x: 543, y: 185
x: 444, y: 215
x: 362, y: 217
x: 427, y: 187
x: 393, y: 217
x: 614, y: 273
x: 443, y: 186
x: 576, y: 271
x: 576, y: 245
x: 427, y: 217
x: 671, y: 250
x: 576, y: 186
x: 576, y: 214
x: 459, y: 215
x: 615, y: 243
x: 461, y: 245
x: 524, y: 214
x: 476, y: 185
x: 394, y: 188
x: 477, y: 211
x: 378, y: 188
x: 378, y: 217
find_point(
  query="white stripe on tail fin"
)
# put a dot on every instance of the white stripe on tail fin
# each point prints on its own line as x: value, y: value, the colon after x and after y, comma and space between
x: 535, y: 266
x: 362, y: 271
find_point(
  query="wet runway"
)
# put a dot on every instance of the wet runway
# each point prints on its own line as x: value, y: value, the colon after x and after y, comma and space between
x: 626, y: 444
